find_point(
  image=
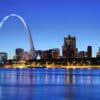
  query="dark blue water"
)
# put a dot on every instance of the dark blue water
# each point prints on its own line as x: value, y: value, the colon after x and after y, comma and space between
x: 49, y: 84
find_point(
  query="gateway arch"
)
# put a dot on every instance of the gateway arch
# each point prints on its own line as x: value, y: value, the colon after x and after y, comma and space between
x: 32, y: 49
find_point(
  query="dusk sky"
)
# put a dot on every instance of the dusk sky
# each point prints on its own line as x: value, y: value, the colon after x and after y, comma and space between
x: 49, y: 22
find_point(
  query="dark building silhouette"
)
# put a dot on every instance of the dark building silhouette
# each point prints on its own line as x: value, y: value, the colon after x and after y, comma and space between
x: 85, y: 54
x: 82, y: 54
x: 55, y: 53
x: 3, y: 56
x: 98, y: 53
x: 89, y: 51
x: 69, y: 49
x: 19, y: 53
x: 49, y: 54
x: 46, y: 54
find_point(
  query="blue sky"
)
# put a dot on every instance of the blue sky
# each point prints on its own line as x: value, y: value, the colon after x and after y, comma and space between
x: 49, y: 22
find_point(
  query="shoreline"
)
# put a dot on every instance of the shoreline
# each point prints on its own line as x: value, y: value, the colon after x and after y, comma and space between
x: 49, y: 66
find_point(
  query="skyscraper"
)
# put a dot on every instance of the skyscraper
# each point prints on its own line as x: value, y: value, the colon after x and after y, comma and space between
x: 69, y: 49
x: 3, y: 56
x: 89, y: 51
x: 98, y: 53
x: 19, y: 53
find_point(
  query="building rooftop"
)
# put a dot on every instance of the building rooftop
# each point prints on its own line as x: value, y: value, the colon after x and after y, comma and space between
x: 70, y: 37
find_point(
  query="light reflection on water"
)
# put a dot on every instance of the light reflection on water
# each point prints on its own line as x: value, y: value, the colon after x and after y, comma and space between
x: 49, y: 84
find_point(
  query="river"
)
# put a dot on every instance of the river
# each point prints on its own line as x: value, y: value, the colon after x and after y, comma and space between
x: 49, y: 84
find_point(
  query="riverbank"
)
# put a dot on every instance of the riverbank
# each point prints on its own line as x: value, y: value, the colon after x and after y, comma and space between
x: 47, y: 66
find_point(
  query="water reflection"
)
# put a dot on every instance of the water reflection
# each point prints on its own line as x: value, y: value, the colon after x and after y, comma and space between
x: 49, y: 84
x: 49, y: 76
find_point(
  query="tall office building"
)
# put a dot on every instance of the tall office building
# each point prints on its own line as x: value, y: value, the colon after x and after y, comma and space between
x: 69, y: 49
x: 19, y: 53
x: 98, y: 53
x: 89, y: 51
x: 3, y: 56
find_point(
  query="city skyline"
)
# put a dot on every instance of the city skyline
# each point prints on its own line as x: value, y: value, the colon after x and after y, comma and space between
x: 49, y: 22
x: 69, y: 50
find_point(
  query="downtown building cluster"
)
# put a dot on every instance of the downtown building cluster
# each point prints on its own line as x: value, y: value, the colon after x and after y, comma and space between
x: 69, y: 50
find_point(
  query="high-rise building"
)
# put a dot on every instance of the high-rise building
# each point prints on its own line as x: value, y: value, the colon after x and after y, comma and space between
x: 69, y: 49
x: 3, y: 56
x: 89, y: 51
x: 85, y: 54
x: 19, y: 53
x: 98, y: 53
